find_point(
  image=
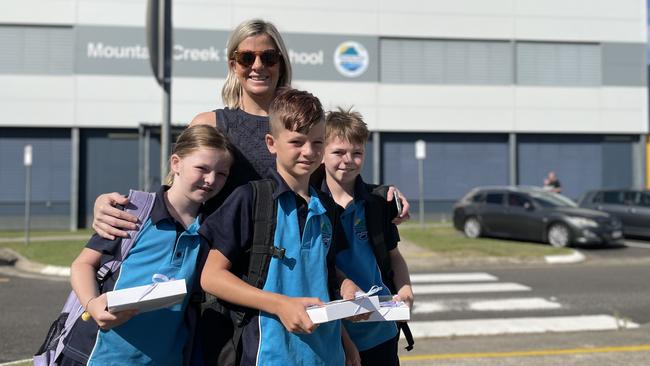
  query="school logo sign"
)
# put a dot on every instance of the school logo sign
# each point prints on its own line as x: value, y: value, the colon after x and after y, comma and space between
x: 351, y: 59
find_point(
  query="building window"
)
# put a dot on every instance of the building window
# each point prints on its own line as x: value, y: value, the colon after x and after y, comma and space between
x: 558, y: 64
x: 446, y: 62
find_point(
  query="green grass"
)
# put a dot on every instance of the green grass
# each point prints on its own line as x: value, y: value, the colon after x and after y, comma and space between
x: 445, y: 240
x: 39, y: 233
x: 56, y: 252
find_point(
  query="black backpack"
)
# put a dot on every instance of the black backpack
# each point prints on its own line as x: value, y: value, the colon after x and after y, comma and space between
x: 379, y: 215
x: 223, y: 323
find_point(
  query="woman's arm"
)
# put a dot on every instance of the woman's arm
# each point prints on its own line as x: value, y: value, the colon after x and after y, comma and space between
x: 109, y: 221
x: 401, y: 277
x: 84, y: 284
x: 205, y: 118
x: 217, y: 279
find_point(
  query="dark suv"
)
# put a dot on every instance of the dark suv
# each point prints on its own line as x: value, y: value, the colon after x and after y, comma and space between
x: 630, y: 206
x: 532, y: 213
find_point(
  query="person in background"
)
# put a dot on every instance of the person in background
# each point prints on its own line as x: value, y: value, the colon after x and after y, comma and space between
x: 551, y: 183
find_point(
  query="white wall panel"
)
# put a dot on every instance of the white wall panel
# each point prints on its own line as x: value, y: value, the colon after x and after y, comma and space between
x: 111, y: 101
x: 36, y: 100
x: 580, y: 29
x: 112, y: 12
x: 52, y: 12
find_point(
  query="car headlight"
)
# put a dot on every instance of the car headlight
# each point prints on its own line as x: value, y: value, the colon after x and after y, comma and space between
x: 582, y: 221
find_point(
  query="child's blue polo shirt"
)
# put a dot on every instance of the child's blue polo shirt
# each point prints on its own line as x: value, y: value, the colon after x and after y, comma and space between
x: 156, y: 337
x: 359, y: 264
x: 301, y: 273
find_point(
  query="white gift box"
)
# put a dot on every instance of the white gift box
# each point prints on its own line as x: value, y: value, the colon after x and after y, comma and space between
x: 340, y: 309
x: 390, y: 310
x: 146, y: 298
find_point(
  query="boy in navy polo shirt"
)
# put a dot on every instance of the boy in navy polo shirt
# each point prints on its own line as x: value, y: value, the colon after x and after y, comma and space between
x: 374, y: 343
x: 281, y: 332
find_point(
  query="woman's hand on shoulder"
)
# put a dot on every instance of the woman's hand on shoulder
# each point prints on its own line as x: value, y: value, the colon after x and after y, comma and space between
x: 405, y: 215
x: 205, y: 118
x: 109, y: 221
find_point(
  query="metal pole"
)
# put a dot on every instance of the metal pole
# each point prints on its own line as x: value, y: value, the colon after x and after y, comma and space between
x: 421, y: 184
x: 165, y: 135
x: 28, y: 197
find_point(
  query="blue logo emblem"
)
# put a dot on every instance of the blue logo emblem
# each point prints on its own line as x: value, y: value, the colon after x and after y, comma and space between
x: 360, y: 229
x: 351, y: 59
x: 326, y: 232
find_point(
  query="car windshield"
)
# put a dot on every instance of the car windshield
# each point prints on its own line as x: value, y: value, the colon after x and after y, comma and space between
x: 549, y: 199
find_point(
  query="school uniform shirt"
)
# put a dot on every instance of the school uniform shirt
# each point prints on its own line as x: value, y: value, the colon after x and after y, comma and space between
x: 305, y: 232
x: 156, y: 337
x: 359, y: 264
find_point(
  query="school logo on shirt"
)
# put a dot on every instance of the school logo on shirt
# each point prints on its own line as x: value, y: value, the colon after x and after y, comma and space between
x: 326, y: 232
x: 360, y: 229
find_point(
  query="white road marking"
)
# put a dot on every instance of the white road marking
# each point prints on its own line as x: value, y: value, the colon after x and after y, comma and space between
x: 56, y: 271
x: 512, y: 304
x: 637, y: 244
x: 482, y: 327
x: 451, y: 277
x: 468, y: 288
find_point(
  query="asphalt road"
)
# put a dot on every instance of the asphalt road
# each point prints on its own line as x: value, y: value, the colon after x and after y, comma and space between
x: 614, y: 282
x: 29, y: 305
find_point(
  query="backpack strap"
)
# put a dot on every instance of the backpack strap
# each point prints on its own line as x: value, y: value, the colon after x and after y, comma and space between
x: 333, y: 213
x: 140, y: 205
x: 262, y: 248
x: 379, y: 215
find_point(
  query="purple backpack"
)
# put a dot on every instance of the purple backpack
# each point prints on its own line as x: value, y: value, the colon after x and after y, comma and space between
x: 140, y: 204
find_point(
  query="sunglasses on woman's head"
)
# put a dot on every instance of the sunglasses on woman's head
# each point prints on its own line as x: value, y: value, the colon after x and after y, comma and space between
x: 247, y: 58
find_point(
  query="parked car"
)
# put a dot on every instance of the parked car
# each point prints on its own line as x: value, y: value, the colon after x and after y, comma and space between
x: 534, y: 214
x: 630, y: 206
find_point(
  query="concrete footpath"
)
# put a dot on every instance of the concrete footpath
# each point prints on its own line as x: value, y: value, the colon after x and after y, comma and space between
x: 418, y: 259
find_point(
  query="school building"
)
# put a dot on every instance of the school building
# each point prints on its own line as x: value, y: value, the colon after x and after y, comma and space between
x: 502, y: 91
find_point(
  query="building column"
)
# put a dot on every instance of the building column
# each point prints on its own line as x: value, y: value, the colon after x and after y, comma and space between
x: 376, y: 155
x: 639, y: 163
x: 513, y: 171
x: 74, y: 178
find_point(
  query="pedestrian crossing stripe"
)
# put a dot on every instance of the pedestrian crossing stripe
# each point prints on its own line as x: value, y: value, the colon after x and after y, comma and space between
x: 483, y: 327
x: 508, y: 304
x: 451, y: 277
x: 468, y: 288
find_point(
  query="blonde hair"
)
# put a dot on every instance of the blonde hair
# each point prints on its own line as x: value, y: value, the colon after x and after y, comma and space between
x: 347, y: 125
x: 232, y: 89
x: 198, y: 137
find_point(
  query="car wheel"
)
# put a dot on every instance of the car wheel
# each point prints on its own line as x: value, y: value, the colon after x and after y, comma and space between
x: 559, y: 236
x: 472, y: 227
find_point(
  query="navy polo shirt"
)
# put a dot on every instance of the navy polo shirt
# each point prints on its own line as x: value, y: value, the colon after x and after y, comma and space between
x: 307, y: 236
x: 164, y: 246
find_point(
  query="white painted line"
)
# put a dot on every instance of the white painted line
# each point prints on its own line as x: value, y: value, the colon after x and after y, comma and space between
x: 637, y: 244
x: 451, y: 277
x: 468, y: 288
x: 482, y: 327
x: 56, y: 271
x: 574, y: 257
x: 16, y: 362
x: 512, y: 304
x: 535, y: 303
